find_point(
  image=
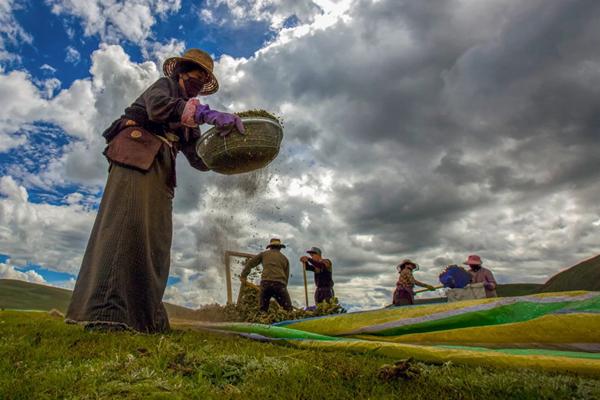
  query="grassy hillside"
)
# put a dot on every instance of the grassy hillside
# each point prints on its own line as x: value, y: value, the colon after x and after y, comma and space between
x: 19, y: 295
x: 30, y: 296
x: 517, y: 289
x: 43, y: 358
x: 583, y: 276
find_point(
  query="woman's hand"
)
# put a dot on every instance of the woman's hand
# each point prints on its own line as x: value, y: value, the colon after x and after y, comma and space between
x: 224, y: 122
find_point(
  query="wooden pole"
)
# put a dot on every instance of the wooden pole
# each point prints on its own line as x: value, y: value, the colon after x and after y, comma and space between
x: 426, y: 290
x: 228, y: 278
x: 228, y: 254
x: 305, y: 284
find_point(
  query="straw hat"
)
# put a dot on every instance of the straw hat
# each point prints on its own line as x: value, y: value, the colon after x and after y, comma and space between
x: 275, y: 243
x: 200, y: 58
x: 405, y: 262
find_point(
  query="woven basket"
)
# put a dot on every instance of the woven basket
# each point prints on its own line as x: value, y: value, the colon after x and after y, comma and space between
x: 237, y: 153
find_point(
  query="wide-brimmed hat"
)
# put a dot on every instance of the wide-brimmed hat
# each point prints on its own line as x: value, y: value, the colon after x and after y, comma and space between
x: 200, y: 58
x: 407, y: 261
x: 314, y: 250
x: 473, y: 259
x: 275, y: 243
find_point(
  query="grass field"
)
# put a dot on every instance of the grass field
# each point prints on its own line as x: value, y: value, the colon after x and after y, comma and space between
x: 43, y: 358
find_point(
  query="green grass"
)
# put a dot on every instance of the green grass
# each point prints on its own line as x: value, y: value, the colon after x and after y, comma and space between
x: 43, y: 358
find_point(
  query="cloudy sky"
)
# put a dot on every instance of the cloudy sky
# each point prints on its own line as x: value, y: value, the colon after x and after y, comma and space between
x: 423, y: 129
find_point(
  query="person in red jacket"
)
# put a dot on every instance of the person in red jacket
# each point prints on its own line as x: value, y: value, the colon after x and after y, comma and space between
x: 479, y: 274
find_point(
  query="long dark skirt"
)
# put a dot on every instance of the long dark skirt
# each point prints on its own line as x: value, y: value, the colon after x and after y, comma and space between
x: 126, y: 264
x: 403, y: 297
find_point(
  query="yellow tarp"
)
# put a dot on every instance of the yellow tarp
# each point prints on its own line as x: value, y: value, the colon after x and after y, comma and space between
x: 588, y: 367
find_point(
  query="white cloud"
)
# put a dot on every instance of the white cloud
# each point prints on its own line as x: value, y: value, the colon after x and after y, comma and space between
x: 23, y: 103
x: 21, y: 100
x: 207, y: 16
x: 69, y: 284
x: 11, y: 32
x: 50, y: 69
x: 275, y: 12
x: 8, y: 142
x: 7, y: 271
x: 72, y: 56
x: 159, y: 52
x: 50, y: 86
x: 116, y: 20
x: 43, y: 234
x: 83, y: 110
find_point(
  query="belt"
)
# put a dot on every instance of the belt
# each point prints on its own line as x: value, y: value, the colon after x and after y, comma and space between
x: 168, y: 139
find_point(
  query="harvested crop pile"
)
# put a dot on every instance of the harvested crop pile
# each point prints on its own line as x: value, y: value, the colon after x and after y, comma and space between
x: 258, y: 113
x: 247, y: 310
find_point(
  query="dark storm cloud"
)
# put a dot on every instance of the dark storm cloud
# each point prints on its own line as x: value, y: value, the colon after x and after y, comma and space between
x: 444, y: 119
x: 427, y: 129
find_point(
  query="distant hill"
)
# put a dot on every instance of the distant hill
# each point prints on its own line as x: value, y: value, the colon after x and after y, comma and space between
x: 517, y: 289
x: 20, y: 295
x: 582, y: 276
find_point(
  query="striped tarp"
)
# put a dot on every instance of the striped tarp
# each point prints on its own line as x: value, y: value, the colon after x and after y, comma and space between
x: 551, y: 331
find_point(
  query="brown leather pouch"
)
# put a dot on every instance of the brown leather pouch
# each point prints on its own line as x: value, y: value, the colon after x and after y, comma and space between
x: 133, y: 147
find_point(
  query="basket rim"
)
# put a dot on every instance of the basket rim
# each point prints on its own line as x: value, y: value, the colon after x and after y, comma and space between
x: 212, y: 131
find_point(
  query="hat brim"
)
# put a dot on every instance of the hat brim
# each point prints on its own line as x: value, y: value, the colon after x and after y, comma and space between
x: 408, y: 263
x: 281, y: 246
x: 209, y: 87
x: 472, y: 263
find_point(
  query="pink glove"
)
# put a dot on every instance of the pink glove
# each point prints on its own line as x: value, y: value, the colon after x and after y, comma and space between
x: 187, y: 117
x: 224, y: 122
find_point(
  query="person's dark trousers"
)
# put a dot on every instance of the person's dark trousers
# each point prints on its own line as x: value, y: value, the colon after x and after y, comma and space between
x: 403, y: 297
x: 277, y: 290
x: 323, y: 294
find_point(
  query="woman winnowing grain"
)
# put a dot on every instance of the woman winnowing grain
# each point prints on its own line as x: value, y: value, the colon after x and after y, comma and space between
x: 403, y: 295
x: 126, y: 263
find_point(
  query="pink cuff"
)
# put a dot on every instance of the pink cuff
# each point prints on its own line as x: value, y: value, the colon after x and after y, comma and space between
x: 187, y: 117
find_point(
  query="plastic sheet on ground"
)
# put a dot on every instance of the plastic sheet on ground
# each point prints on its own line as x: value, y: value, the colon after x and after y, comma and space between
x: 550, y: 331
